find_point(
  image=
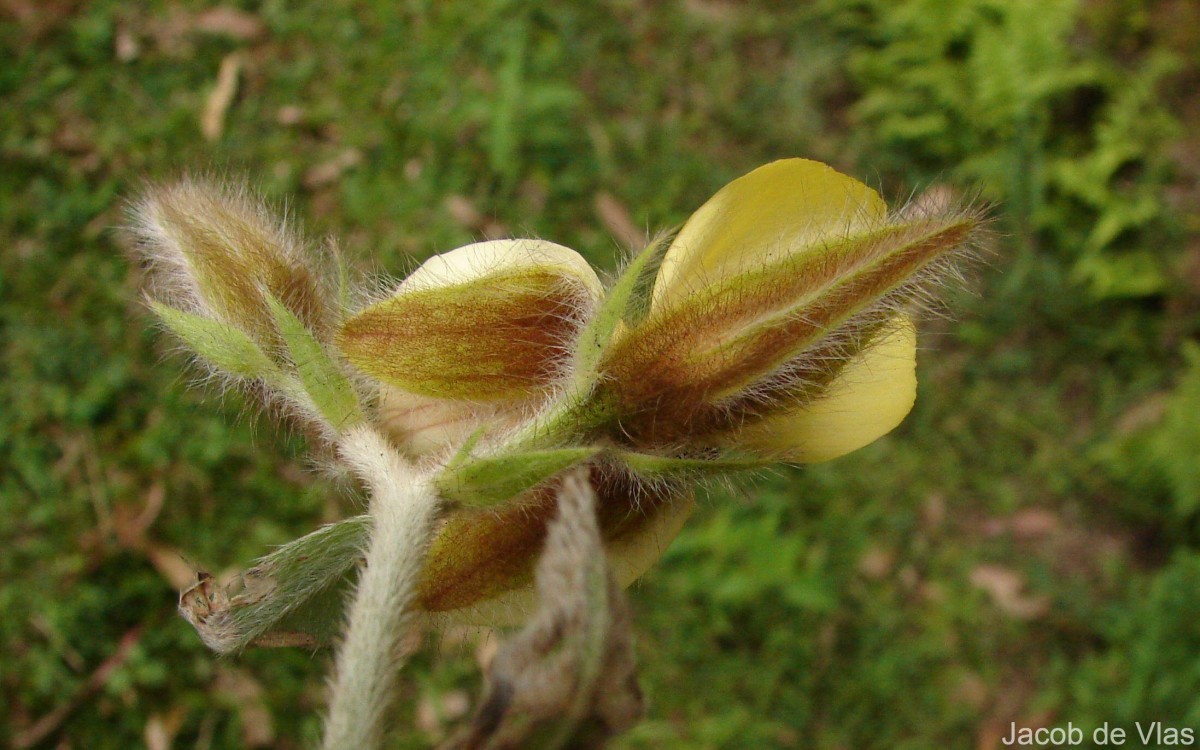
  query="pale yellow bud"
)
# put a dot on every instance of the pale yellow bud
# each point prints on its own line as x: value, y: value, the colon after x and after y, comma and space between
x: 425, y: 426
x: 488, y: 322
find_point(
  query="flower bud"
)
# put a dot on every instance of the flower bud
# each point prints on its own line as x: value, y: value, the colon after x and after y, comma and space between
x: 487, y: 322
x: 218, y: 253
x: 424, y: 426
x: 767, y: 295
x: 480, y: 566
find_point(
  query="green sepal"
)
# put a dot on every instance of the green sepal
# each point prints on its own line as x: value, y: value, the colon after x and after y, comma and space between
x: 649, y: 466
x: 463, y: 454
x: 325, y: 383
x: 482, y: 482
x: 219, y: 344
x: 627, y: 301
x: 293, y: 596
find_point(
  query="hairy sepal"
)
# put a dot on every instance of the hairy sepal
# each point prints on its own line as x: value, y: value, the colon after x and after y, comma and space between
x: 627, y: 302
x: 486, y: 481
x: 650, y: 467
x: 322, y: 379
x: 820, y: 305
x: 500, y: 337
x: 221, y: 346
x: 217, y: 251
x: 293, y: 596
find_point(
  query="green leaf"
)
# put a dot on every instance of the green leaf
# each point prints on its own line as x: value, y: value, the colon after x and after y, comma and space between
x: 628, y: 301
x: 324, y: 381
x: 219, y: 344
x: 482, y: 482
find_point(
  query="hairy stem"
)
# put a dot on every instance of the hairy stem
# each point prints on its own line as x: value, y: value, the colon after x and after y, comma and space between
x: 369, y: 661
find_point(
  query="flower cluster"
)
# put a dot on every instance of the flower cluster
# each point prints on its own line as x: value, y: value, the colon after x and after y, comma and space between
x: 777, y: 325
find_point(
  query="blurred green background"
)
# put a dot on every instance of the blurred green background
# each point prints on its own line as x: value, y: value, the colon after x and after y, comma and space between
x: 1026, y: 547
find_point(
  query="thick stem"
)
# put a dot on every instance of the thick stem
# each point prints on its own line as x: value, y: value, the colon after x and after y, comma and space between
x: 369, y: 661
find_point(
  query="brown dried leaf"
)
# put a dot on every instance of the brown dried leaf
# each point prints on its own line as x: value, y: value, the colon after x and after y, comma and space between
x: 126, y: 45
x: 464, y: 212
x: 38, y: 17
x: 131, y: 527
x: 328, y: 172
x: 231, y: 22
x: 49, y: 723
x: 876, y: 563
x: 171, y: 565
x: 1032, y: 523
x: 212, y: 120
x: 161, y: 729
x: 434, y: 710
x: 289, y: 115
x: 1006, y: 589
x: 246, y: 696
x: 615, y: 217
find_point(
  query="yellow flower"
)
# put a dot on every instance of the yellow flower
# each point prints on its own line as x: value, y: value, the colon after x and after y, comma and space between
x: 870, y: 396
x: 784, y: 209
x: 778, y: 320
x: 478, y: 338
x: 777, y: 328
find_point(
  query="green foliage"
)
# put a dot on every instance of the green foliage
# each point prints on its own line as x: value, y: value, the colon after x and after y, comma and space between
x: 1158, y: 457
x: 1150, y: 671
x: 1070, y: 138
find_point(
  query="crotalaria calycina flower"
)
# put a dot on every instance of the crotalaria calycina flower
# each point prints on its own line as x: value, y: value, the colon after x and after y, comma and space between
x: 777, y: 325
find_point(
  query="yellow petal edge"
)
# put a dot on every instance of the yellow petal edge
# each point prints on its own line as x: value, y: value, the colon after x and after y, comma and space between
x: 482, y: 259
x: 782, y: 208
x: 872, y: 395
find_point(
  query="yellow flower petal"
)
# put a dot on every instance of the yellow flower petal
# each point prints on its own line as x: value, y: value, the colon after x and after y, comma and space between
x: 483, y: 259
x: 424, y: 426
x: 870, y: 397
x: 779, y: 209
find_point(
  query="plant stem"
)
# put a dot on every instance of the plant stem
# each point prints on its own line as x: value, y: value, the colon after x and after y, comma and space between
x: 371, y: 655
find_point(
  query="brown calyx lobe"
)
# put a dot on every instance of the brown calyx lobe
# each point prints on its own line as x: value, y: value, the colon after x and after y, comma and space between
x: 764, y: 340
x: 234, y: 259
x: 479, y: 554
x: 494, y: 338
